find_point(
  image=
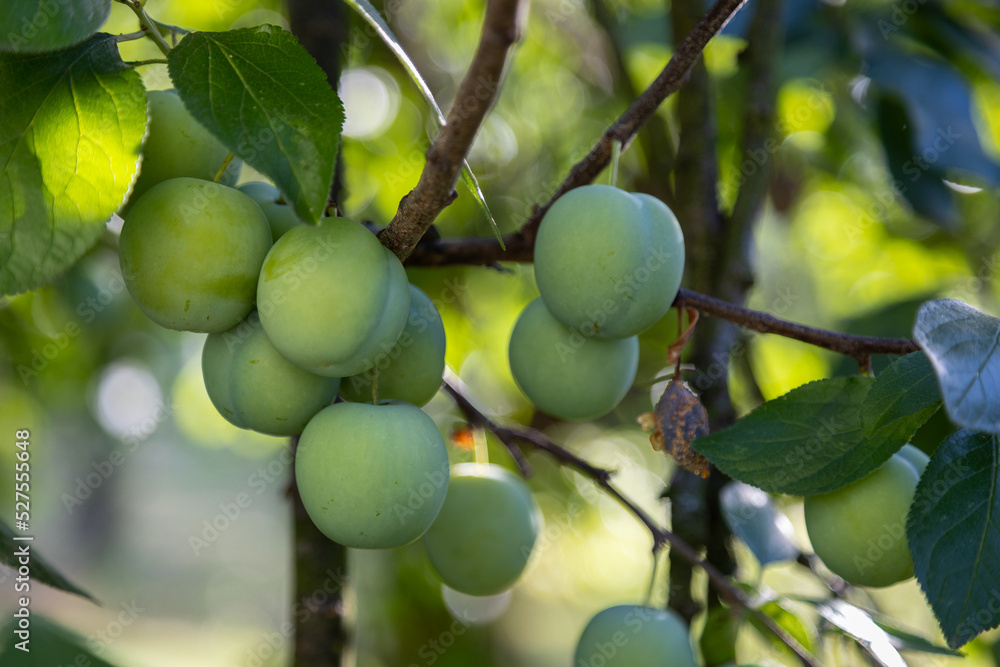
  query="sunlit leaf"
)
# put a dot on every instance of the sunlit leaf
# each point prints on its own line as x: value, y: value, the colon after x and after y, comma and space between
x: 266, y: 98
x: 33, y: 26
x: 71, y: 126
x: 963, y: 344
x: 371, y: 15
x: 953, y: 530
x: 859, y: 625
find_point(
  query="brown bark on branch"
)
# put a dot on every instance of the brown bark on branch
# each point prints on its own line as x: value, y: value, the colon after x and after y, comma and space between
x: 603, y: 478
x: 436, y: 188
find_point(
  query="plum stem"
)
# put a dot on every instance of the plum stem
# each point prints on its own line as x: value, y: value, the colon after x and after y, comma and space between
x: 222, y: 169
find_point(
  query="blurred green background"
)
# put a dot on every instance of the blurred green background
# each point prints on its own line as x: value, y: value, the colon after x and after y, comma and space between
x: 131, y: 465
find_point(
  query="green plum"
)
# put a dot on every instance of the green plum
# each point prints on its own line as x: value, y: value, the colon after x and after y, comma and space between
x: 566, y: 374
x: 178, y: 145
x: 859, y: 530
x: 412, y: 370
x: 332, y: 298
x: 280, y: 216
x: 916, y: 457
x: 630, y: 636
x: 372, y: 476
x: 254, y: 387
x: 480, y: 542
x: 190, y: 253
x: 608, y: 263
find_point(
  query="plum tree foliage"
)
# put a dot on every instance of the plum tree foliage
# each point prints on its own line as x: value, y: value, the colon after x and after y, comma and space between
x: 315, y: 332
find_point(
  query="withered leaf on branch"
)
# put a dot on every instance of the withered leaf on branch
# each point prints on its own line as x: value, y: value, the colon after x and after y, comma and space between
x: 680, y: 418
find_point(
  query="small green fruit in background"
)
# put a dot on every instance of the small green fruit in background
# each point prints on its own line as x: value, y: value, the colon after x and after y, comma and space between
x: 608, y: 263
x: 332, y: 298
x: 190, y: 253
x: 859, y: 531
x: 280, y: 216
x: 412, y: 369
x: 372, y: 476
x: 916, y: 457
x: 254, y: 387
x: 566, y: 374
x: 482, y: 539
x: 635, y: 636
x: 178, y: 145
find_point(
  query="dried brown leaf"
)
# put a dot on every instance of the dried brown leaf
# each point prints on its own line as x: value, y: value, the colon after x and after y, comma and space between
x: 680, y: 418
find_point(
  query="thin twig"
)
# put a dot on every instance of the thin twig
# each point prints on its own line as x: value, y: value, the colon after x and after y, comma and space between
x: 603, y: 478
x: 856, y: 347
x: 436, y: 188
x: 147, y: 26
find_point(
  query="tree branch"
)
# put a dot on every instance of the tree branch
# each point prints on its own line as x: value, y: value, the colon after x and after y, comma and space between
x: 856, y: 347
x: 436, y: 188
x: 625, y: 128
x: 603, y: 478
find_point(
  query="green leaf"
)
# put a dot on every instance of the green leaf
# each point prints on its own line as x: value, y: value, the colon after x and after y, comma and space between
x: 71, y: 126
x: 859, y: 625
x: 963, y: 344
x: 789, y: 622
x: 905, y: 393
x: 374, y: 19
x: 805, y: 442
x: 953, y: 530
x: 265, y: 97
x: 33, y: 26
x: 907, y: 641
x: 41, y: 571
x: 51, y: 645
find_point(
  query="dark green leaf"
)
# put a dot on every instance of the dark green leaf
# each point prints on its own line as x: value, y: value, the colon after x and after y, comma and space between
x: 71, y: 126
x: 374, y: 19
x: 859, y: 625
x: 805, y: 442
x: 953, y: 530
x: 41, y: 571
x: 789, y: 622
x: 752, y: 517
x: 718, y: 637
x: 47, y: 25
x: 905, y: 393
x: 51, y: 646
x: 265, y: 97
x: 963, y: 344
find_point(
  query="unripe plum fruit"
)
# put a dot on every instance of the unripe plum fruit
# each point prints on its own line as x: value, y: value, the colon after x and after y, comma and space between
x: 859, y: 530
x: 332, y: 298
x: 916, y: 457
x: 412, y: 369
x: 190, y: 253
x: 254, y: 387
x: 565, y: 373
x: 482, y: 539
x: 372, y: 476
x: 631, y: 635
x: 178, y: 145
x: 608, y: 263
x: 280, y: 216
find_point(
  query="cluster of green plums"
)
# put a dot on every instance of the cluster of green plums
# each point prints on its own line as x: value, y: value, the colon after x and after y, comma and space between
x: 859, y: 530
x: 298, y: 314
x: 608, y: 265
